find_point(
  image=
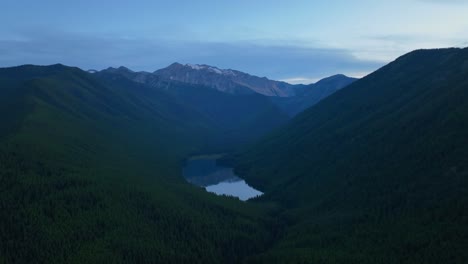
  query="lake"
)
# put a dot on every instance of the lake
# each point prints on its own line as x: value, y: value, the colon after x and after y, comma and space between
x: 204, y: 172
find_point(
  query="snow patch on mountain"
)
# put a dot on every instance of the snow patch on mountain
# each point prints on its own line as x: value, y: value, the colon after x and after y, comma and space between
x: 216, y: 70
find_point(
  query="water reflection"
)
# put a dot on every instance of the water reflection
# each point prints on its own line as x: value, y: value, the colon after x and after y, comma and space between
x: 204, y: 172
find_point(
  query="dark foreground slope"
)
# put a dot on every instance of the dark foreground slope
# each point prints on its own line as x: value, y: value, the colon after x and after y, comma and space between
x: 90, y: 173
x: 377, y: 172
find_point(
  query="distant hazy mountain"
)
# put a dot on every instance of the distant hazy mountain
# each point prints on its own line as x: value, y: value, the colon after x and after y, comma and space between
x: 309, y: 95
x: 230, y: 81
x: 242, y: 113
x: 141, y: 77
x: 240, y: 117
x: 291, y: 99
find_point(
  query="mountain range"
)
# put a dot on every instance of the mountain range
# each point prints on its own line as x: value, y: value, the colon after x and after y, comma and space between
x: 372, y: 171
x: 228, y: 81
x: 291, y: 99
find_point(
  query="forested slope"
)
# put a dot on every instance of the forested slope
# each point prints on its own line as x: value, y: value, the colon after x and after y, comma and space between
x: 90, y: 173
x: 377, y: 172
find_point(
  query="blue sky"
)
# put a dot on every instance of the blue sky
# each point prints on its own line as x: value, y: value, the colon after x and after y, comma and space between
x: 297, y: 41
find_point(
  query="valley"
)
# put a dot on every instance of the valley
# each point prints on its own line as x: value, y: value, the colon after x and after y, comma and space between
x: 106, y: 166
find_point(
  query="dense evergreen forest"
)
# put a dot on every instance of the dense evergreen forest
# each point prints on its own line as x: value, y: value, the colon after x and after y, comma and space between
x: 376, y: 173
x: 90, y: 173
x: 90, y: 170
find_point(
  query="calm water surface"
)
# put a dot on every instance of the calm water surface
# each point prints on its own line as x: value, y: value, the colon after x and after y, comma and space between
x: 204, y: 172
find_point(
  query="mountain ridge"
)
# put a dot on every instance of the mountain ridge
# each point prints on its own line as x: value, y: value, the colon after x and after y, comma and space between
x: 224, y: 80
x: 311, y: 94
x: 379, y: 166
x: 230, y: 81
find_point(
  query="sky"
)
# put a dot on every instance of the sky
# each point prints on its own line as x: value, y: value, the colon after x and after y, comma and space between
x: 295, y: 41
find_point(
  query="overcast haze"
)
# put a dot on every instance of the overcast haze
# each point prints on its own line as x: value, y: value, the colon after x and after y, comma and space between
x: 296, y: 41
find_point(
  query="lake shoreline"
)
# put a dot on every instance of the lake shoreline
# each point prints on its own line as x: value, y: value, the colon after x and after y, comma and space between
x: 204, y: 171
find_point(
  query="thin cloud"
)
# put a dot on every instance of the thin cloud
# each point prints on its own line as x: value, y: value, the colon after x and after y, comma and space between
x: 445, y: 2
x: 91, y: 52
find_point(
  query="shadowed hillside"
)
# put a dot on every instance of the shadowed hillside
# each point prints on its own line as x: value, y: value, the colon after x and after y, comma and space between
x: 376, y: 173
x: 90, y: 173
